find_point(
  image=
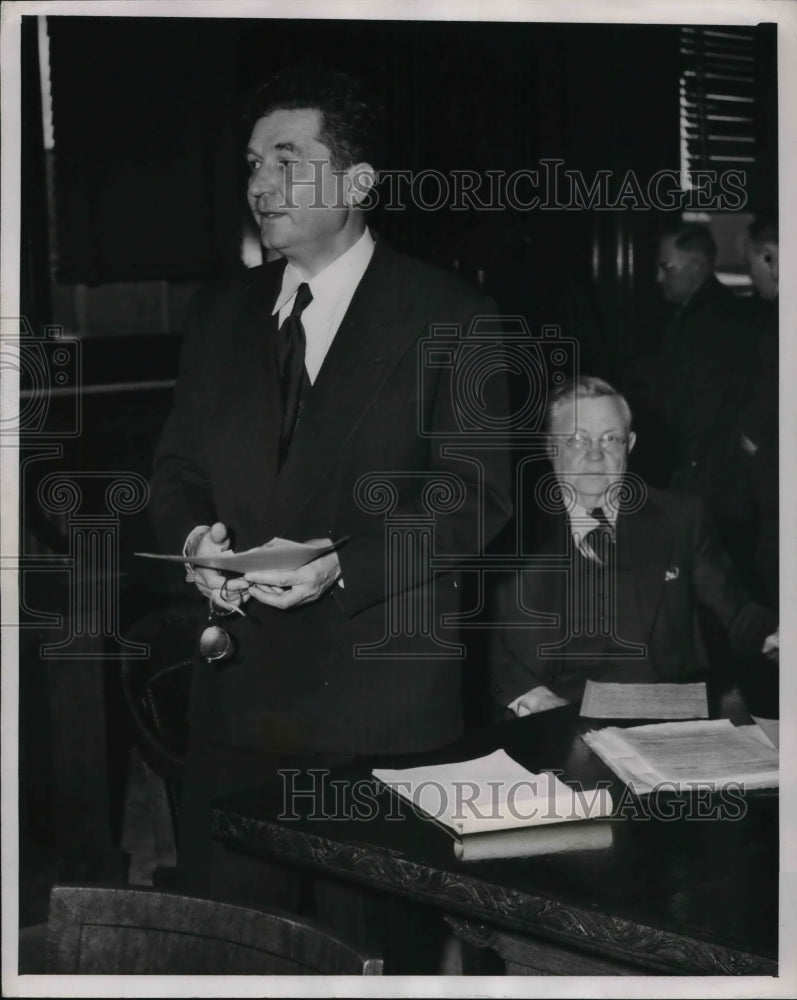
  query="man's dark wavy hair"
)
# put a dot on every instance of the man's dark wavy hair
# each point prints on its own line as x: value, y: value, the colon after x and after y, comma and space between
x: 351, y: 117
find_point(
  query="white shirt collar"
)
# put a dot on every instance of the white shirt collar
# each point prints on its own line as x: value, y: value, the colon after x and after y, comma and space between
x: 581, y: 517
x: 609, y: 511
x: 341, y: 276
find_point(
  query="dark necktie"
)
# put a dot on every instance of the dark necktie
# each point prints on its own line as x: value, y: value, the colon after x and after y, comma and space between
x: 291, y: 346
x: 595, y: 544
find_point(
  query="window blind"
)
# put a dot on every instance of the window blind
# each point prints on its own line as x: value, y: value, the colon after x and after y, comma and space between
x: 718, y: 99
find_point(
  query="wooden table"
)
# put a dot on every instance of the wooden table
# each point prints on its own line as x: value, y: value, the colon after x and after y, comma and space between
x: 693, y: 894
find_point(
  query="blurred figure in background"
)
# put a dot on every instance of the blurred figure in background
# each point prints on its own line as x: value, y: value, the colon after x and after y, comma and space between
x: 758, y: 425
x: 700, y: 380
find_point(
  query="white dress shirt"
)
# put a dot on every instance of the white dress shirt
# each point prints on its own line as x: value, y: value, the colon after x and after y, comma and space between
x: 332, y: 290
x: 582, y: 521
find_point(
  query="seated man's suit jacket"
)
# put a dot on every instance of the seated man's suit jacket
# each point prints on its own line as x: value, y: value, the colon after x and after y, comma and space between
x: 668, y: 562
x: 295, y: 683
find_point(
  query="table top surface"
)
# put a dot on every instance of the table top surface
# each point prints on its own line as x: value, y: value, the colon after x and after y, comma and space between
x: 687, y: 882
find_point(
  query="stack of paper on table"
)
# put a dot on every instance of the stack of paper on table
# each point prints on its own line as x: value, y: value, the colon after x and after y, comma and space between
x: 682, y: 754
x: 492, y: 793
x: 644, y: 701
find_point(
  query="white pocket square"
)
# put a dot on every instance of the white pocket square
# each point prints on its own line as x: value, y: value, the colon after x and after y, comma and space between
x: 671, y: 574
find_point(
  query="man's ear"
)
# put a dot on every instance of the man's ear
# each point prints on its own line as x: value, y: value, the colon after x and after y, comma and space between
x: 631, y: 442
x: 359, y: 183
x: 771, y: 260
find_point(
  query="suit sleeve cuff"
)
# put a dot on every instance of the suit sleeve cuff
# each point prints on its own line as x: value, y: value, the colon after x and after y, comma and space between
x: 538, y: 699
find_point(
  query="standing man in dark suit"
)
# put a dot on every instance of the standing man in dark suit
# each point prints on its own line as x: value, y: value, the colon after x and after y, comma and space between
x: 304, y: 402
x: 633, y: 565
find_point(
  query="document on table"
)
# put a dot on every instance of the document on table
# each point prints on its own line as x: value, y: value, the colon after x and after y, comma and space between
x: 644, y: 701
x: 770, y: 728
x: 683, y: 754
x: 279, y: 554
x: 492, y: 793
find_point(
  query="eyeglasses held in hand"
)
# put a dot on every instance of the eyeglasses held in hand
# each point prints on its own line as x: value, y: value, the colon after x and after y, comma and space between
x: 215, y: 642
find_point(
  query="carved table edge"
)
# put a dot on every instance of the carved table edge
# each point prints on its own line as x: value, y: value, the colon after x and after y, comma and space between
x: 637, y: 944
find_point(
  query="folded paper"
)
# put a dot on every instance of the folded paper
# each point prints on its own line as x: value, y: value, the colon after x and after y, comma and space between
x: 278, y: 554
x: 491, y: 793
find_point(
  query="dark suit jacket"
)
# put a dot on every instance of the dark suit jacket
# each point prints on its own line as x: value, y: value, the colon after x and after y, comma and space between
x: 759, y: 422
x: 295, y: 683
x: 703, y: 378
x: 668, y: 562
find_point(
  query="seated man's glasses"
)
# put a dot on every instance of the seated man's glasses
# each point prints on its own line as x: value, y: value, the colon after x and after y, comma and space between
x: 608, y: 442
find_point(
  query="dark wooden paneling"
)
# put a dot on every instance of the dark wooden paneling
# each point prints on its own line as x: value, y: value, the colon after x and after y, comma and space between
x: 145, y: 139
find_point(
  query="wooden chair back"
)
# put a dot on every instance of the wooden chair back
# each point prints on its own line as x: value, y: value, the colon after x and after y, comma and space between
x: 157, y: 687
x: 157, y: 691
x: 125, y: 931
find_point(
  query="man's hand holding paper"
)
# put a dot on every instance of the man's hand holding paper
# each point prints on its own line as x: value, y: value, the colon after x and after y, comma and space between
x: 279, y: 588
x: 287, y: 588
x: 211, y: 542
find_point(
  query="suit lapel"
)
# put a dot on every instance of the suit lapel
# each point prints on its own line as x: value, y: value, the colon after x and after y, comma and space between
x: 544, y: 592
x: 260, y: 402
x: 644, y: 551
x: 375, y: 333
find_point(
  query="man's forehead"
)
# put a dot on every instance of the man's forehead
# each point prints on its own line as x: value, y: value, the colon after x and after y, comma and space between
x: 283, y: 124
x: 669, y: 251
x: 571, y: 414
x: 757, y: 248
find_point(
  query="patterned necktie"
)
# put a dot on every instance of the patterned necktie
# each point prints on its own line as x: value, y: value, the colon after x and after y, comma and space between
x: 291, y: 345
x: 595, y: 544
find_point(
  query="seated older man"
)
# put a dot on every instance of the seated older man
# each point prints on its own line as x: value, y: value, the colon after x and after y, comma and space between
x: 637, y: 562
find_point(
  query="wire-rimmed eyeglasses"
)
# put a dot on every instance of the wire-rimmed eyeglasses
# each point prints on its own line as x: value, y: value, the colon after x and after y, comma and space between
x: 609, y: 442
